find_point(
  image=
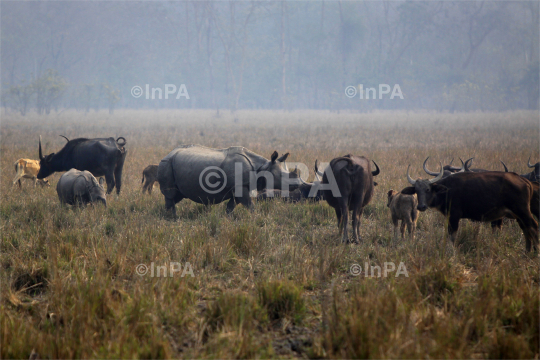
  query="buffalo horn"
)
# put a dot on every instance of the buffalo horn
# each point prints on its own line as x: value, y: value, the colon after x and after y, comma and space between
x: 529, y: 162
x: 40, y: 152
x: 439, y: 177
x: 409, y: 179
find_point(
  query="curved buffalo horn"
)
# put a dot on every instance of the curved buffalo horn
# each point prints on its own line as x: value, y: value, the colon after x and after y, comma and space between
x: 121, y: 143
x: 317, y: 177
x: 439, y: 177
x: 40, y: 152
x: 432, y: 173
x: 64, y: 137
x: 409, y: 179
x: 529, y: 162
x: 377, y: 170
x: 317, y: 169
x: 285, y: 166
x: 505, y: 168
x: 468, y: 164
x: 462, y: 166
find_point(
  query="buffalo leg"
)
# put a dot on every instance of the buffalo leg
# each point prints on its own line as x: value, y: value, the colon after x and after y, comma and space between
x: 453, y: 226
x: 530, y: 229
x: 402, y: 228
x: 344, y: 221
x: 395, y: 221
x: 109, y: 179
x: 357, y: 214
x: 118, y: 172
x: 150, y: 186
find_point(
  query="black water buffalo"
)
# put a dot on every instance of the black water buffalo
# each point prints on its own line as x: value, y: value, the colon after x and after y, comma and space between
x: 485, y: 196
x: 354, y: 180
x: 101, y: 157
x: 535, y: 174
x: 150, y: 175
x: 80, y: 188
x: 210, y: 176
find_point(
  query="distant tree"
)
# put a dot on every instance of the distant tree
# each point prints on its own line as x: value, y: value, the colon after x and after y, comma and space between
x: 49, y: 88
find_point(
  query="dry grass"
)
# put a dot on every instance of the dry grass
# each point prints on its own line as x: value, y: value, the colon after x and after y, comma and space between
x: 273, y: 283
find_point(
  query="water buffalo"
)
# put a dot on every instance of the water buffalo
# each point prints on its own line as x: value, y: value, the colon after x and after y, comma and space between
x: 354, y: 180
x: 210, y: 176
x: 150, y: 174
x: 80, y: 188
x: 535, y: 174
x: 485, y: 196
x: 28, y: 169
x: 102, y: 157
x: 403, y: 207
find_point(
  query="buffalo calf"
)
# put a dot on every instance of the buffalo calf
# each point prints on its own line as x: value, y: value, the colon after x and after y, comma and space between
x: 403, y: 207
x: 150, y: 175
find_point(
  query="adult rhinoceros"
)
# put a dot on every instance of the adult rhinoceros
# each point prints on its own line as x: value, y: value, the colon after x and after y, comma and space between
x: 80, y: 188
x: 210, y: 176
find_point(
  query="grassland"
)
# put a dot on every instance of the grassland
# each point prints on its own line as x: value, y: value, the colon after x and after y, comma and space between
x: 273, y: 283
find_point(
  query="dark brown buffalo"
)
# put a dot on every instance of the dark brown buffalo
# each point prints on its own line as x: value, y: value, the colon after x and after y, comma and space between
x: 486, y: 196
x: 150, y: 175
x: 354, y: 180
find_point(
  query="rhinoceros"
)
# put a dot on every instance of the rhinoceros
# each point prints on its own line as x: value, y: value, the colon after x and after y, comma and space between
x: 211, y: 176
x: 80, y: 188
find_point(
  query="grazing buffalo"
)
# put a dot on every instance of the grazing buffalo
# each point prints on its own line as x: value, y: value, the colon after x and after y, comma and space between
x: 28, y: 169
x: 210, y: 176
x: 468, y: 164
x: 354, y: 180
x: 150, y: 174
x: 403, y: 207
x: 486, y: 196
x: 535, y: 174
x: 102, y: 157
x: 80, y: 188
x: 447, y: 169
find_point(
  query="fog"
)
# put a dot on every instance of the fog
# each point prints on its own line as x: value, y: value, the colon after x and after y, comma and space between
x: 443, y: 56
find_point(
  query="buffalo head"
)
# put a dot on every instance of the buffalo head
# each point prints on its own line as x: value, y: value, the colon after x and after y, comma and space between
x: 45, y: 166
x: 428, y: 191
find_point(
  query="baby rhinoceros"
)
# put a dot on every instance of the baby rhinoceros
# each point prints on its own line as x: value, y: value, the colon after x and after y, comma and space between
x: 80, y: 188
x: 403, y: 207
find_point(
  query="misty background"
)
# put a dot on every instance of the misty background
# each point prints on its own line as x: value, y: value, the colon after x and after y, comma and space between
x: 445, y: 56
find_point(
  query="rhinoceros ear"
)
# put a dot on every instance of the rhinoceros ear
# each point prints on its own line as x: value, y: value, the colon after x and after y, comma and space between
x: 101, y: 181
x: 283, y: 158
x: 274, y: 156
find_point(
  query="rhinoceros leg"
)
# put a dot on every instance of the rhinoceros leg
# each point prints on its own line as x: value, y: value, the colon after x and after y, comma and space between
x: 245, y: 200
x: 170, y: 205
